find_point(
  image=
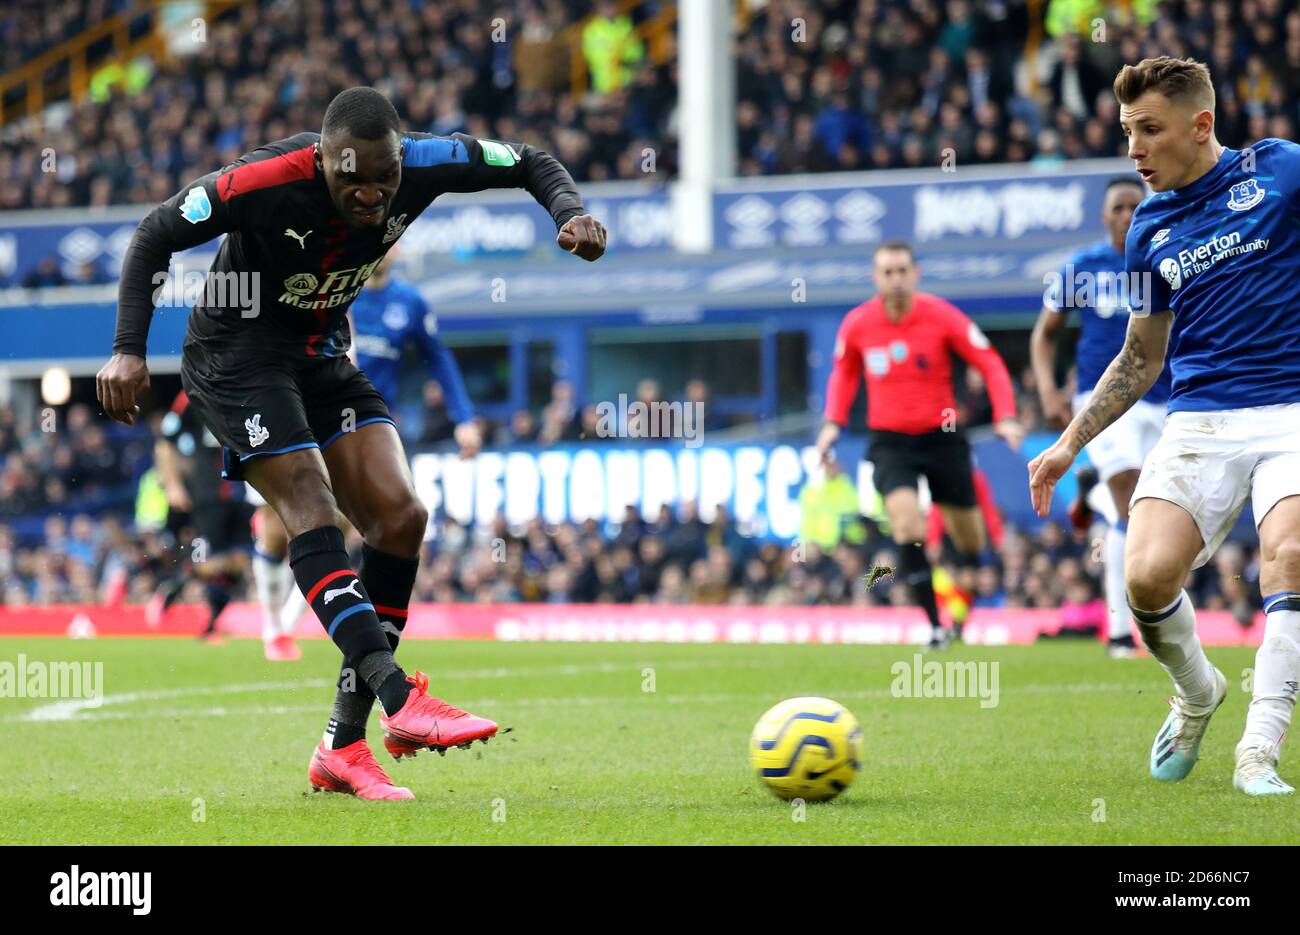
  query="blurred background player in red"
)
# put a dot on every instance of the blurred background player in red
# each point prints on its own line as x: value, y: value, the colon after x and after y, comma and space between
x: 957, y: 593
x: 904, y: 341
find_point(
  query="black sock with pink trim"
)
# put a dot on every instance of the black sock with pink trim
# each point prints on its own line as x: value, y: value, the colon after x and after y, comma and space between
x: 389, y: 580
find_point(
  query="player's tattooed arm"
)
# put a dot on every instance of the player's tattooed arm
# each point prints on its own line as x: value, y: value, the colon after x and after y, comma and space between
x: 1133, y: 371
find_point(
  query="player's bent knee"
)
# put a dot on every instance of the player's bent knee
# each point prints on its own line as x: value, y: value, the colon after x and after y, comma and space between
x: 1281, y: 562
x: 399, y: 530
x: 1153, y: 581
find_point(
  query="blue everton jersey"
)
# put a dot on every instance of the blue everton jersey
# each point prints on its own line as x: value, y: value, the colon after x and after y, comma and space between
x: 1093, y: 280
x: 384, y: 320
x: 1224, y: 256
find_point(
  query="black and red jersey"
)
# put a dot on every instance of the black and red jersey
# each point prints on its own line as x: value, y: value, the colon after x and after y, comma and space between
x: 309, y: 262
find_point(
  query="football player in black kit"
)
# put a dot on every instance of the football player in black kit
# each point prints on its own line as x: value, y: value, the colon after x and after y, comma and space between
x: 188, y: 460
x: 308, y: 219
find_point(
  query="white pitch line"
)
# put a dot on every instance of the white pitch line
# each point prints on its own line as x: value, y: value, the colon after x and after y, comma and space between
x: 69, y: 709
x: 75, y: 709
x: 83, y: 715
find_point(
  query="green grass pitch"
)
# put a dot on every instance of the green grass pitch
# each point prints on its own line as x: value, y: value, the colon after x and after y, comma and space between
x: 190, y: 732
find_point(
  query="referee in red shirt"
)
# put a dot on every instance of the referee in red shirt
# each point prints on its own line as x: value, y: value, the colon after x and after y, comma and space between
x: 904, y: 341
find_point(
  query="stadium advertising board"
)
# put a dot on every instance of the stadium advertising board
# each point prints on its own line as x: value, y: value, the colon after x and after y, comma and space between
x: 989, y: 209
x: 974, y: 208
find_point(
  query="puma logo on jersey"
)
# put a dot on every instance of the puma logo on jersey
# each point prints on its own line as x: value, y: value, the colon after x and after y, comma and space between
x: 256, y: 433
x: 302, y: 239
x: 339, y: 592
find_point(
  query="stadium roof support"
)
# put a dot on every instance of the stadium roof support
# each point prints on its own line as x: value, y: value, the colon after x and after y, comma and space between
x: 707, y: 129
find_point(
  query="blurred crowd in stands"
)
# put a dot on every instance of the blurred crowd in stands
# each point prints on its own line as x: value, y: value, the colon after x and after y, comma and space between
x: 67, y: 458
x: 79, y: 511
x: 821, y: 84
x: 876, y: 85
x: 269, y: 70
x: 675, y: 557
x: 678, y: 558
x: 28, y: 29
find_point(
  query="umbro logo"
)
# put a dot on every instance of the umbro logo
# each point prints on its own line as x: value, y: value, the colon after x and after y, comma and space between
x: 1160, y: 237
x: 301, y: 238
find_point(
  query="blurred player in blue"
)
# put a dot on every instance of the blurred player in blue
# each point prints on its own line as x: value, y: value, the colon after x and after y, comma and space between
x: 1216, y: 251
x: 1093, y: 280
x: 387, y: 317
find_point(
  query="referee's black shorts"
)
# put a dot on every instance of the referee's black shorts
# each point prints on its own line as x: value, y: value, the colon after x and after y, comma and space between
x: 259, y: 400
x: 943, y: 457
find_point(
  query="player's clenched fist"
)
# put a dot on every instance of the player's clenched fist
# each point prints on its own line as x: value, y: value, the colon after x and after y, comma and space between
x: 1045, y: 471
x: 118, y: 384
x: 583, y: 236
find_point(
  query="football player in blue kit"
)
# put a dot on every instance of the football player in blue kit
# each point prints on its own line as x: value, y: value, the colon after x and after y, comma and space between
x: 1216, y: 254
x: 1094, y: 281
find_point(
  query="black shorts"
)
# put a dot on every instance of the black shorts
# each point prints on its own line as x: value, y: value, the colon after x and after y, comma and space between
x: 943, y: 457
x: 223, y: 525
x: 259, y: 400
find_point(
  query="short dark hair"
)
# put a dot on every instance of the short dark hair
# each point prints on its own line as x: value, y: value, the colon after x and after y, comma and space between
x: 362, y: 113
x: 1181, y: 80
x: 1117, y: 180
x: 896, y: 244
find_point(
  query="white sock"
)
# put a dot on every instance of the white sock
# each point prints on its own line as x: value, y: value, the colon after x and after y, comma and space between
x: 295, y: 602
x: 269, y: 581
x: 1277, y: 672
x: 1116, y: 596
x: 1170, y: 635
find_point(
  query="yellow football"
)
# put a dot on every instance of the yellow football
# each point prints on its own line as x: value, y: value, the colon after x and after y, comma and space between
x: 807, y: 748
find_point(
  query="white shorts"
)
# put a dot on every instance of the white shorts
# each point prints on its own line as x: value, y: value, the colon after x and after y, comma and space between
x: 1126, y: 442
x: 1209, y: 463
